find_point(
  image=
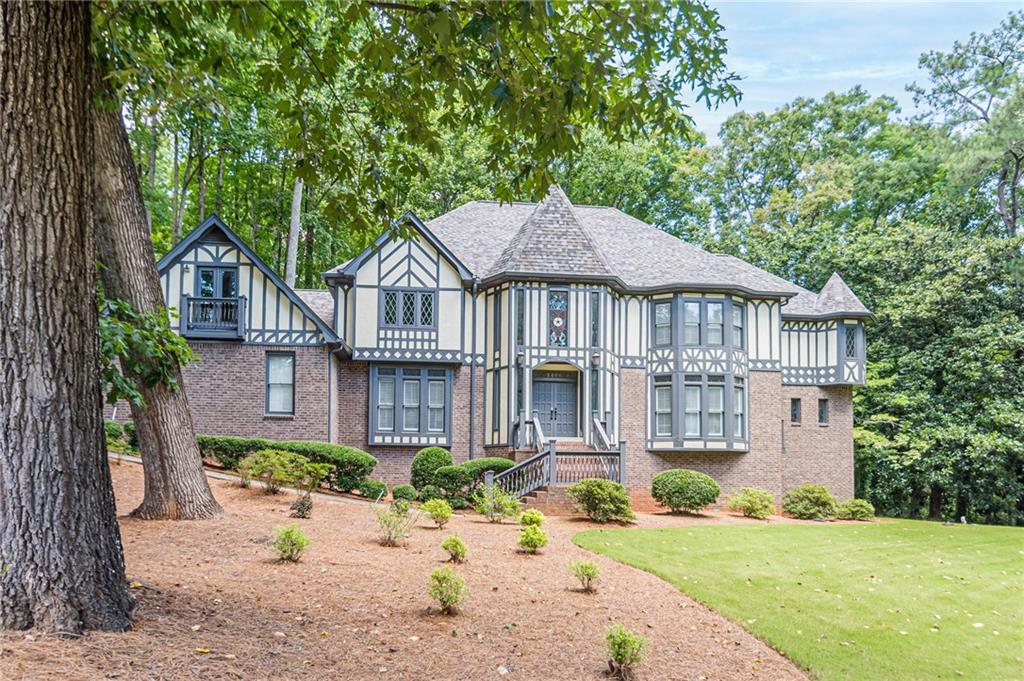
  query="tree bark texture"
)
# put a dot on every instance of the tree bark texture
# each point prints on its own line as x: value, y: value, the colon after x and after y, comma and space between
x: 294, y: 227
x: 61, y: 559
x: 175, y: 483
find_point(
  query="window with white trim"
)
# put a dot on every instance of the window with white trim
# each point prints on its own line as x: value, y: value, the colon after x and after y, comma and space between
x: 716, y: 323
x: 851, y: 340
x: 739, y: 403
x: 691, y: 322
x: 737, y: 324
x: 663, y: 406
x: 663, y: 323
x: 716, y: 406
x: 408, y: 308
x: 280, y: 388
x: 691, y: 406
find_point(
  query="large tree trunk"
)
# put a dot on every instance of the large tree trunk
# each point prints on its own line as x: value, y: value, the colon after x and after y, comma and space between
x: 60, y: 547
x: 201, y: 167
x: 218, y: 204
x: 293, y: 233
x: 175, y: 484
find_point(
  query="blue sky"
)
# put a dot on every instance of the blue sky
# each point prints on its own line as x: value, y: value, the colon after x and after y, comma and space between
x: 785, y: 50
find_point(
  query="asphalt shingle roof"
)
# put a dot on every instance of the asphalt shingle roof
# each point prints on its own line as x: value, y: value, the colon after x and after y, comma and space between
x: 319, y: 301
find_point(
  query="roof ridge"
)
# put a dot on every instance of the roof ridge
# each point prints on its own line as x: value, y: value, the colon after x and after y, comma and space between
x: 586, y: 232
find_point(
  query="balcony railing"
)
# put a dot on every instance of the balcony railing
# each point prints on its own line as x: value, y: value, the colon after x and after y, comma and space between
x: 222, y: 318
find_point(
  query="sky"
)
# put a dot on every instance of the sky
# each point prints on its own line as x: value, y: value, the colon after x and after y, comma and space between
x: 785, y: 50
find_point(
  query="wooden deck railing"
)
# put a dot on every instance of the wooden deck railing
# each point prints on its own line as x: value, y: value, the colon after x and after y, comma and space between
x: 551, y: 467
x: 213, y: 317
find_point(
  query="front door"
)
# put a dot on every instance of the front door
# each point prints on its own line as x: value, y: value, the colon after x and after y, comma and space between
x: 554, y: 400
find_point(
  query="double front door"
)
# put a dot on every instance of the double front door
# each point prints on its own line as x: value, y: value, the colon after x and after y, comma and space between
x: 554, y: 401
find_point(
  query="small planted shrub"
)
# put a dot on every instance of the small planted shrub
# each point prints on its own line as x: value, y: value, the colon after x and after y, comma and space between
x: 753, y: 502
x: 456, y: 548
x: 532, y: 516
x: 439, y: 511
x: 532, y: 538
x: 302, y: 507
x: 407, y: 492
x: 855, y: 509
x: 453, y: 481
x: 373, y: 489
x: 684, y: 490
x: 809, y: 502
x: 448, y: 589
x: 274, y: 468
x: 425, y: 465
x: 428, y: 492
x: 587, y: 572
x: 496, y: 504
x: 602, y: 500
x: 290, y: 543
x: 394, y: 522
x: 129, y: 434
x: 626, y: 650
x: 112, y: 429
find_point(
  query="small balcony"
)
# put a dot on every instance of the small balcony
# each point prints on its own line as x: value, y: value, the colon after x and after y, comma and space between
x: 213, y: 318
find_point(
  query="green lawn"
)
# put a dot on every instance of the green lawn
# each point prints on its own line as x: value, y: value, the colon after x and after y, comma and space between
x: 885, y: 600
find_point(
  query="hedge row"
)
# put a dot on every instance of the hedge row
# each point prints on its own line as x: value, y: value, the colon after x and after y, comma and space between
x: 351, y: 466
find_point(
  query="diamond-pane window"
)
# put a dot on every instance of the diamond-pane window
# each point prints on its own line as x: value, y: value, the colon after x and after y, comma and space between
x: 390, y: 308
x: 408, y: 309
x: 426, y: 309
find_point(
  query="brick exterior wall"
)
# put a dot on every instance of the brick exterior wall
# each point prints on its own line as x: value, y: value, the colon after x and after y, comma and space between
x: 353, y: 422
x: 821, y: 454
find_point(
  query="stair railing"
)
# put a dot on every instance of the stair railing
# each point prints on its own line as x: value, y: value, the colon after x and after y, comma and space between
x: 528, y: 475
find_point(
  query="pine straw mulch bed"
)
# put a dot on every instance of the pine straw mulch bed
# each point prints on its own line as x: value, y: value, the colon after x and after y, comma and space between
x: 212, y: 603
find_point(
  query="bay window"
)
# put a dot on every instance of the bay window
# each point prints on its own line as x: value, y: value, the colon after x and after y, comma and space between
x: 738, y: 407
x: 663, y: 406
x: 691, y: 406
x: 663, y: 323
x: 737, y: 323
x: 716, y: 406
x: 716, y: 323
x: 691, y: 323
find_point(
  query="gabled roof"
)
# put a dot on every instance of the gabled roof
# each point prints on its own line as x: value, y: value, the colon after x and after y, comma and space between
x: 347, y: 270
x: 835, y: 300
x: 320, y: 301
x: 213, y: 228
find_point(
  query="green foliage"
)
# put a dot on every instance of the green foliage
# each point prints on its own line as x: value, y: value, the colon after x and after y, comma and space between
x: 453, y: 481
x: 855, y: 509
x: 137, y: 350
x: 428, y: 492
x: 302, y: 507
x: 496, y: 504
x: 456, y: 548
x: 290, y: 543
x: 129, y: 434
x: 425, y: 465
x: 407, y: 492
x: 439, y: 511
x: 465, y: 479
x: 350, y: 465
x: 276, y: 469
x: 394, y: 522
x: 477, y: 467
x: 587, y: 571
x: 112, y: 429
x: 532, y: 516
x: 753, y: 502
x: 532, y: 538
x: 809, y: 502
x: 448, y: 589
x: 373, y: 489
x: 684, y: 490
x: 602, y: 500
x: 625, y: 648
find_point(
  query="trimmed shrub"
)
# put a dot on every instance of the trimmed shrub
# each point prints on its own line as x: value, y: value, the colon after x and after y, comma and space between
x: 425, y: 464
x: 112, y: 429
x: 394, y: 522
x: 458, y: 503
x: 809, y: 502
x: 129, y: 434
x: 753, y: 502
x: 602, y: 500
x: 351, y: 465
x: 373, y: 489
x: 275, y: 468
x: 496, y: 504
x: 290, y: 543
x: 477, y: 467
x: 302, y: 507
x: 467, y: 477
x: 587, y: 572
x: 626, y: 649
x: 684, y: 490
x: 456, y: 548
x: 855, y: 509
x: 439, y: 511
x: 428, y: 492
x: 453, y: 480
x: 407, y: 492
x: 448, y: 589
x: 532, y: 516
x: 532, y: 538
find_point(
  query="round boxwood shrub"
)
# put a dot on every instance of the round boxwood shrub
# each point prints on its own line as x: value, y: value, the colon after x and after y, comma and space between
x: 425, y: 464
x: 407, y: 492
x: 855, y: 509
x: 684, y: 490
x: 129, y: 434
x: 753, y: 502
x: 113, y: 429
x: 373, y: 489
x: 809, y: 502
x: 602, y: 500
x: 428, y: 492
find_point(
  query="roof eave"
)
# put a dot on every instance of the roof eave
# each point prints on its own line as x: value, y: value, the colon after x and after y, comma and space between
x: 620, y: 285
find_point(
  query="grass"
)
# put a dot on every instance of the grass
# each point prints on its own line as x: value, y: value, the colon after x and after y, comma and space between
x: 894, y: 599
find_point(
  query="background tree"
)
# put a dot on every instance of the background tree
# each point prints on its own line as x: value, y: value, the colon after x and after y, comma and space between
x: 61, y: 561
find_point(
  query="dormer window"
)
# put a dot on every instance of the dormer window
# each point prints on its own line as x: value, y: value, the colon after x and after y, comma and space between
x: 410, y: 309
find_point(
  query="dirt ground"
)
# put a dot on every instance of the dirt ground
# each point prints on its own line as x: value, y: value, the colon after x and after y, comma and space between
x: 213, y: 603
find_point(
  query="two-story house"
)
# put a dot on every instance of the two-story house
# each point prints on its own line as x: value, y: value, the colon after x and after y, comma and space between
x: 496, y: 328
